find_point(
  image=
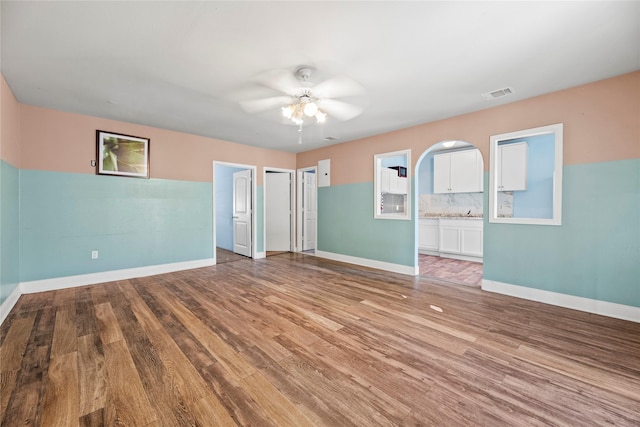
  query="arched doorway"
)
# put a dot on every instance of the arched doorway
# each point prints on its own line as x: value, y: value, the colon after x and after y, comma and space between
x: 449, y: 181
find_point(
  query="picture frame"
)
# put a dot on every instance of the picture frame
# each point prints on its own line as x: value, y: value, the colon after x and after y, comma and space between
x: 122, y: 155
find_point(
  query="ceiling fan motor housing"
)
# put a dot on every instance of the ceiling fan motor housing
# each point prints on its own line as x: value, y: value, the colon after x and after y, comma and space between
x: 303, y: 72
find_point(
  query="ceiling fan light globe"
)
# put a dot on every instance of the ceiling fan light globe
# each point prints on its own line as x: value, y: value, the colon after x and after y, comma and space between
x: 287, y: 111
x: 321, y: 117
x: 310, y: 109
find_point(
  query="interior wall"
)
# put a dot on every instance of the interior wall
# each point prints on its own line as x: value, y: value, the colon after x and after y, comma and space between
x: 67, y: 210
x: 9, y: 191
x: 593, y: 254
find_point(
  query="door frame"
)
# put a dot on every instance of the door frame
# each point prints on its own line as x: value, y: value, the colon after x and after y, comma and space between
x: 416, y: 196
x: 254, y: 201
x: 292, y: 192
x: 299, y: 211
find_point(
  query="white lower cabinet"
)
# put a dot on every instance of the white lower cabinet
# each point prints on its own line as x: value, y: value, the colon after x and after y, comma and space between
x: 461, y: 237
x: 428, y: 236
x: 450, y: 238
x: 455, y: 238
x: 471, y: 241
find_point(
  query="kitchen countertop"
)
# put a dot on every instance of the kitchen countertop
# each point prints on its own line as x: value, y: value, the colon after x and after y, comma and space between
x: 450, y: 217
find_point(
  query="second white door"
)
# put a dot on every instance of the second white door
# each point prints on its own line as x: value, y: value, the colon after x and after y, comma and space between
x: 309, y: 209
x: 278, y: 211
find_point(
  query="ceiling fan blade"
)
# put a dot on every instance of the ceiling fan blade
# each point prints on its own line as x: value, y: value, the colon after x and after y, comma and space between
x: 337, y: 87
x: 280, y: 80
x: 339, y: 109
x: 257, y: 105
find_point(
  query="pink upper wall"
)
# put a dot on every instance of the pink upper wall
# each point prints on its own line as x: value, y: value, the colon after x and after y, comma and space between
x: 9, y: 125
x: 601, y: 123
x: 65, y: 142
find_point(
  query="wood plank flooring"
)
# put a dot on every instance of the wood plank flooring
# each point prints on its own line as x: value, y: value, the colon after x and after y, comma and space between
x: 223, y: 255
x: 295, y: 340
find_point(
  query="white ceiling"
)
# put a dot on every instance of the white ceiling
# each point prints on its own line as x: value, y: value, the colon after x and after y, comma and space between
x: 186, y: 65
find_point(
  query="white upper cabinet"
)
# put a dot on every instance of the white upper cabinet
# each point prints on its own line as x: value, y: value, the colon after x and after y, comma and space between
x: 441, y: 173
x: 512, y: 167
x: 385, y: 179
x: 390, y: 182
x: 458, y: 172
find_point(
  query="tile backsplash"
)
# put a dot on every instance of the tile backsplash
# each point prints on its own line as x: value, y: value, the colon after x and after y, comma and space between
x: 456, y: 204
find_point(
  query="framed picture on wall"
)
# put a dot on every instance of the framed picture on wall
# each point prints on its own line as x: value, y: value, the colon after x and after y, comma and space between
x: 122, y: 155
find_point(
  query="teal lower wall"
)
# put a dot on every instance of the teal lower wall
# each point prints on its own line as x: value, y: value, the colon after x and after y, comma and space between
x: 346, y: 226
x: 134, y: 222
x: 9, y: 226
x: 594, y: 254
x: 131, y: 222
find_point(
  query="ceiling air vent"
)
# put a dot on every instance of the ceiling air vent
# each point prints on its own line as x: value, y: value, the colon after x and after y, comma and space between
x: 330, y: 138
x: 498, y: 93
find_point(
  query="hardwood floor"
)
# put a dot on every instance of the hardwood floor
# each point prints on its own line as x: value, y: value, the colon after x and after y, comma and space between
x: 224, y: 255
x: 296, y: 340
x: 272, y: 253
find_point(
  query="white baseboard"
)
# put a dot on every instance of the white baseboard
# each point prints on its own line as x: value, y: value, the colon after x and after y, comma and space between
x: 109, y: 276
x: 428, y: 252
x: 365, y: 262
x: 604, y: 308
x: 260, y: 255
x: 454, y: 256
x: 462, y: 257
x: 9, y: 302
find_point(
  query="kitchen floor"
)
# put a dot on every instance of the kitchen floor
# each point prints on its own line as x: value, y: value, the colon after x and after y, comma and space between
x: 452, y: 270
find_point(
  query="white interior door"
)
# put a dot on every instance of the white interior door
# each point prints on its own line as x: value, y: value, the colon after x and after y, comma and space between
x: 309, y: 211
x: 278, y: 211
x: 242, y: 212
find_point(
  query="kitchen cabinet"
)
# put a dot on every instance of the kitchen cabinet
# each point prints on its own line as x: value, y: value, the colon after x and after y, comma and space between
x: 428, y: 236
x: 385, y: 179
x: 450, y: 238
x: 512, y: 167
x: 390, y: 182
x: 458, y: 172
x: 461, y: 238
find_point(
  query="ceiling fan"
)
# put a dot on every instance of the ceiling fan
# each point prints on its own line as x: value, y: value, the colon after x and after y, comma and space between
x: 303, y: 101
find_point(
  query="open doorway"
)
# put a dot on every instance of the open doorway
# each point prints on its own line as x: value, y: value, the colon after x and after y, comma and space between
x: 233, y: 207
x: 449, y: 208
x: 307, y: 212
x: 279, y: 205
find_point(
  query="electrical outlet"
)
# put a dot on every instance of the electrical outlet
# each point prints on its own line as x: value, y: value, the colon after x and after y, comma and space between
x: 94, y: 254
